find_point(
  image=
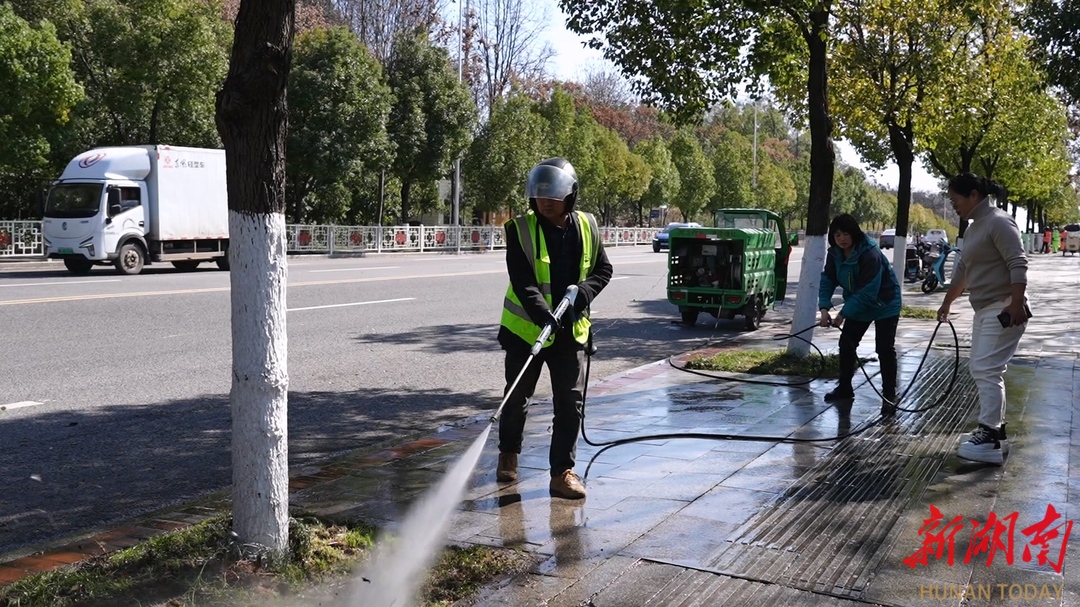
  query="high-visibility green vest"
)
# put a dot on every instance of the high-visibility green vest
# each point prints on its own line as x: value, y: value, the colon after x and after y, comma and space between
x: 514, y: 316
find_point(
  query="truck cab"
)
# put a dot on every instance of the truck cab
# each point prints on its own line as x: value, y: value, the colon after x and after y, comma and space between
x: 96, y: 203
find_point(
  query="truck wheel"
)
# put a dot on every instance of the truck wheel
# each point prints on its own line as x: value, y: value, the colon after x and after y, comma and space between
x: 130, y: 259
x: 223, y: 262
x: 754, y: 312
x: 80, y: 266
x: 689, y: 316
x: 186, y: 266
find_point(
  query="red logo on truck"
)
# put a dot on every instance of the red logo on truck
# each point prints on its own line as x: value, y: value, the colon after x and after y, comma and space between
x: 89, y: 161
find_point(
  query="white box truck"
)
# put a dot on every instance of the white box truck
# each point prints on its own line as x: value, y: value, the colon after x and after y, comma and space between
x: 134, y: 205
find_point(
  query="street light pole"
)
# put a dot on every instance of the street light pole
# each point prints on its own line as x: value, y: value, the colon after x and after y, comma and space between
x: 753, y: 173
x: 455, y: 219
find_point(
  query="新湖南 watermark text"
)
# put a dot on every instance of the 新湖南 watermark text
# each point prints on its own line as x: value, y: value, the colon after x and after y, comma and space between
x: 993, y: 537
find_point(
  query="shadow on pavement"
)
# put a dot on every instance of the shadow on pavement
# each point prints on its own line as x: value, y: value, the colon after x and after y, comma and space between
x: 144, y: 457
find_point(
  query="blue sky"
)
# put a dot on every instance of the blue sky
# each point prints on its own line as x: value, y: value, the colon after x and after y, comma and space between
x: 572, y: 61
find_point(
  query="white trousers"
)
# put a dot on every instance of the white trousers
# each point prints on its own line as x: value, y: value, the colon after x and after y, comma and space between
x: 992, y: 347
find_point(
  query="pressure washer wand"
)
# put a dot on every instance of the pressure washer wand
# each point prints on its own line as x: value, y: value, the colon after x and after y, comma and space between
x: 564, y: 305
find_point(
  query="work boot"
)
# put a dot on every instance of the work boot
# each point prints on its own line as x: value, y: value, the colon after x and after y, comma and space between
x: 567, y: 486
x: 985, y: 444
x: 840, y: 393
x: 890, y: 396
x: 506, y: 472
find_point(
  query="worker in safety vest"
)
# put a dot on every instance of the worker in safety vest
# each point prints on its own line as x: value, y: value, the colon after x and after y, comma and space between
x: 549, y: 248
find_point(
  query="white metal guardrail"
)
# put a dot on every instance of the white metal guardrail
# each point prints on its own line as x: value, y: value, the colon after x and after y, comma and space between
x: 23, y: 238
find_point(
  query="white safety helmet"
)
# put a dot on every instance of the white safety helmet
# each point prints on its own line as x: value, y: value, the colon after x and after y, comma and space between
x: 553, y: 178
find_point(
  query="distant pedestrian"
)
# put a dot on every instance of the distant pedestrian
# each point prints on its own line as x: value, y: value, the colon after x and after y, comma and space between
x: 871, y: 295
x: 1046, y: 240
x: 993, y: 269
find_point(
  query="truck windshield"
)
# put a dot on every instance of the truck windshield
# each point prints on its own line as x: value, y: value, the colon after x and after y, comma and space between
x: 74, y: 200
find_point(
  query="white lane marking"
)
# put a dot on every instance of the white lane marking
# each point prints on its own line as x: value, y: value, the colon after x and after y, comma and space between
x: 309, y: 283
x: 620, y: 278
x: 355, y: 303
x: 20, y: 405
x: 629, y: 254
x: 353, y: 269
x: 63, y: 282
x: 478, y: 330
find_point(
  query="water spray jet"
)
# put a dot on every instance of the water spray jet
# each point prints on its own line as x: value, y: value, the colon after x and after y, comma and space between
x: 393, y: 575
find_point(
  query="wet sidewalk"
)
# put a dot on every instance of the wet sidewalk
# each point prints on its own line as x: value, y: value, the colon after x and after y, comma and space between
x: 794, y: 516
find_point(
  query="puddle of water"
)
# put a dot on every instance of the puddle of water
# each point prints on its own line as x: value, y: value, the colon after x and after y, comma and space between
x: 393, y: 575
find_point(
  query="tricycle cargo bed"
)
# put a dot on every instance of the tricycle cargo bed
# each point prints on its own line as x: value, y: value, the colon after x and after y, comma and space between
x: 740, y: 268
x: 721, y: 269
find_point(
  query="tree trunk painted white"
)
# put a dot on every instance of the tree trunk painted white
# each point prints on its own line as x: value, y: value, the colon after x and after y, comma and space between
x: 822, y: 168
x: 899, y: 257
x: 260, y: 379
x: 252, y: 119
x: 806, y: 297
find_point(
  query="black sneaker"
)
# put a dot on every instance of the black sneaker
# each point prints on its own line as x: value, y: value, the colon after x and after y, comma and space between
x: 840, y: 394
x: 985, y: 444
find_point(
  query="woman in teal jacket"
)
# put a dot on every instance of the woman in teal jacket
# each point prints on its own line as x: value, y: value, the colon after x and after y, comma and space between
x: 871, y: 295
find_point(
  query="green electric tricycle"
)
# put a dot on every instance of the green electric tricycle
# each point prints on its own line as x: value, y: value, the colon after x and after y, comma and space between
x: 738, y: 267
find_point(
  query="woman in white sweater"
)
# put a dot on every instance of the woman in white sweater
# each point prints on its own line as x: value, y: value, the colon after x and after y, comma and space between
x: 993, y: 268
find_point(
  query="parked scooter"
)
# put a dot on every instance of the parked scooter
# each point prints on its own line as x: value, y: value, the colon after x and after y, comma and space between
x: 913, y: 267
x: 935, y: 279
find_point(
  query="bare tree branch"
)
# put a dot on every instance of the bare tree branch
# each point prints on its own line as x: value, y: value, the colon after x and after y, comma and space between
x: 507, y: 35
x: 377, y: 22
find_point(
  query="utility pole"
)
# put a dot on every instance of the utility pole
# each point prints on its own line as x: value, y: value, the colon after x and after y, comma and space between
x: 753, y: 173
x: 455, y: 219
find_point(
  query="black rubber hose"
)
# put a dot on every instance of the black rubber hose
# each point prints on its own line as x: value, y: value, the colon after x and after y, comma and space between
x: 778, y: 439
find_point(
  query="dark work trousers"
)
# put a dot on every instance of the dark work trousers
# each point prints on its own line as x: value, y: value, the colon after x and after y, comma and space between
x: 567, y: 371
x: 885, y: 337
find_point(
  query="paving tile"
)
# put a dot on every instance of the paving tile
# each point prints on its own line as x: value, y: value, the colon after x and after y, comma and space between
x: 729, y: 505
x: 64, y: 558
x: 636, y: 585
x: 573, y: 553
x: 9, y: 574
x: 530, y: 589
x: 757, y: 482
x: 684, y: 538
x: 34, y: 564
x: 634, y: 514
x: 589, y: 586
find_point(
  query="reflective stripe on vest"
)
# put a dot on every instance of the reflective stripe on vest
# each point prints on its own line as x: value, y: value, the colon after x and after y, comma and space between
x: 514, y: 316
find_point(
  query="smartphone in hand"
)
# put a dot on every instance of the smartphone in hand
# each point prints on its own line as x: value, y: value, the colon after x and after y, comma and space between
x: 1006, y: 320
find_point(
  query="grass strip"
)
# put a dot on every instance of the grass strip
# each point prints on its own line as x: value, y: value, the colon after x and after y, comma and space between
x: 203, y: 566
